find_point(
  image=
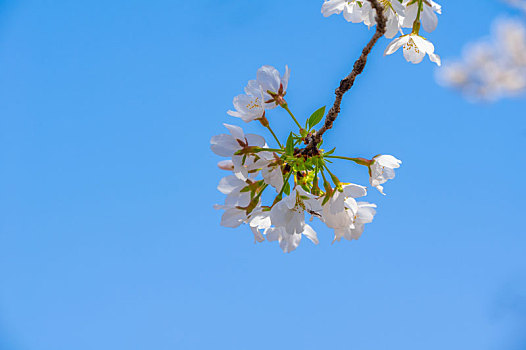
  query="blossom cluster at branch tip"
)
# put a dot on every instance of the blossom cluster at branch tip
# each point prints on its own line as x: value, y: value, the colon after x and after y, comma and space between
x: 273, y: 189
x: 400, y: 14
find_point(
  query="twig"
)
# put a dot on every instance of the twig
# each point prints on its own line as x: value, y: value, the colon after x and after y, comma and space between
x: 348, y: 82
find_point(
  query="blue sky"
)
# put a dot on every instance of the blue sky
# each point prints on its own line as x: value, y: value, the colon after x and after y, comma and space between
x: 108, y: 238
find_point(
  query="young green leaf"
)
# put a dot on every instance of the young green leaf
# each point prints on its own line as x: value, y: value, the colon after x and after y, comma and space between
x: 330, y: 152
x: 287, y: 189
x: 316, y: 117
x: 289, y: 149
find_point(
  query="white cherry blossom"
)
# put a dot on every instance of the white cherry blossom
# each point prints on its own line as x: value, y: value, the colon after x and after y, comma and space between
x: 260, y: 221
x: 339, y: 213
x: 352, y: 10
x: 232, y: 186
x: 249, y: 106
x: 394, y: 12
x: 290, y: 241
x: 227, y: 145
x: 232, y: 217
x: 299, y: 162
x: 271, y: 170
x: 289, y: 213
x: 362, y: 11
x: 382, y: 169
x: 337, y: 202
x: 360, y: 214
x: 415, y: 48
x: 273, y: 86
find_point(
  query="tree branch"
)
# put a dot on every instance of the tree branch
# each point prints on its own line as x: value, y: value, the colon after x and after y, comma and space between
x: 346, y: 84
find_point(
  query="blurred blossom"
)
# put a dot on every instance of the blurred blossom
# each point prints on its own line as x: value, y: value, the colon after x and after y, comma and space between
x: 521, y: 4
x: 492, y: 68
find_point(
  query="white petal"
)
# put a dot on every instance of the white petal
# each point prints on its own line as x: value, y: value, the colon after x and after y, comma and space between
x: 352, y: 13
x: 253, y: 88
x: 393, y: 26
x: 224, y: 145
x: 388, y: 161
x: 354, y: 191
x: 395, y: 45
x: 311, y: 234
x: 380, y: 188
x: 410, y: 15
x: 435, y: 58
x: 273, y: 234
x: 412, y: 53
x: 352, y: 205
x: 423, y: 44
x: 258, y: 237
x: 289, y: 242
x: 429, y: 19
x: 235, y: 131
x: 285, y: 78
x: 232, y: 218
x: 332, y: 7
x: 229, y: 184
x: 255, y: 140
x: 269, y: 79
x: 356, y: 233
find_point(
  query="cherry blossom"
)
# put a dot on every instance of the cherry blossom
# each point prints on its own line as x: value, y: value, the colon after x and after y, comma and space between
x: 290, y: 212
x: 352, y: 10
x: 273, y: 86
x: 382, y: 169
x: 227, y: 145
x: 249, y: 106
x: 273, y: 189
x: 290, y: 241
x: 361, y: 11
x: 415, y: 48
x: 358, y: 214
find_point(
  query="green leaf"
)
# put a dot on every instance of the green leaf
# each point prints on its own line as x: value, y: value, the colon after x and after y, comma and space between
x: 330, y: 152
x: 289, y: 149
x: 316, y: 117
x: 287, y: 189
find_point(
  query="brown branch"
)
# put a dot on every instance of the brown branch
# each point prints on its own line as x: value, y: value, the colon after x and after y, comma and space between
x: 345, y: 85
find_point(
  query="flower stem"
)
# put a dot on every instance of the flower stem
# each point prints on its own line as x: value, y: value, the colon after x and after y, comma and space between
x: 275, y: 137
x: 416, y: 24
x: 269, y: 150
x: 360, y: 161
x: 339, y: 157
x: 286, y: 107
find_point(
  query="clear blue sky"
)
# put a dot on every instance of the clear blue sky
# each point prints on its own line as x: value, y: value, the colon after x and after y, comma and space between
x: 108, y: 238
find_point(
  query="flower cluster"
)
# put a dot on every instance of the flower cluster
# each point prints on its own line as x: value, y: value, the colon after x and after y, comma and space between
x: 291, y: 174
x: 400, y: 14
x: 491, y: 69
